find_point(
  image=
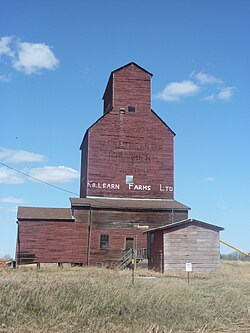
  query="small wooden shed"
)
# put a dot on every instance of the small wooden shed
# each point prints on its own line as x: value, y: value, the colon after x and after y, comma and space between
x: 172, y: 246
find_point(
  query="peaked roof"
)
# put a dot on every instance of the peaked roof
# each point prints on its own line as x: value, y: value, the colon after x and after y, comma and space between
x: 102, y: 116
x: 118, y: 69
x: 129, y: 64
x: 185, y: 223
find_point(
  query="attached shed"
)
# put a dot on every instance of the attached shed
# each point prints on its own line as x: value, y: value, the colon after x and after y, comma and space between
x: 49, y: 235
x: 171, y: 246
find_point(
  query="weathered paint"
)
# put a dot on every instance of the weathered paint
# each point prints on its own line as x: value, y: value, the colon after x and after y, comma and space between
x: 124, y: 155
x: 191, y: 242
x: 126, y: 143
x: 51, y: 242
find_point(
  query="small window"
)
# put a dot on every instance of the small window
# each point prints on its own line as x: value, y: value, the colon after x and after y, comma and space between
x: 129, y: 179
x: 104, y: 242
x: 122, y: 110
x: 131, y: 109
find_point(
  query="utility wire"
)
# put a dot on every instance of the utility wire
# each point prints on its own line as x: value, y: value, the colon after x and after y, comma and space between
x: 54, y: 186
x: 39, y: 180
x: 59, y: 188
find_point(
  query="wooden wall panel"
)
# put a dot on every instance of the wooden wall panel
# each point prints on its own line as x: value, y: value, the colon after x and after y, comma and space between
x: 193, y: 244
x: 155, y: 251
x: 123, y: 145
x: 113, y: 219
x: 132, y: 87
x: 51, y: 242
x: 134, y: 144
x: 117, y: 244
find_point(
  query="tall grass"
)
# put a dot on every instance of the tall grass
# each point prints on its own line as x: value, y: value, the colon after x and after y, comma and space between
x: 101, y: 300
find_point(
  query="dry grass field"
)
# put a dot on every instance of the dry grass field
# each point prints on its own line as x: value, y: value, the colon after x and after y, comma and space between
x: 101, y: 300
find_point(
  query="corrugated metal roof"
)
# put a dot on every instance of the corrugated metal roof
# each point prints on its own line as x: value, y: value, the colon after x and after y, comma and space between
x: 134, y: 204
x: 40, y: 213
x: 185, y: 223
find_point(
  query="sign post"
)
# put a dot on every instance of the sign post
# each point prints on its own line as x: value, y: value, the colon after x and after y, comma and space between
x: 189, y: 269
x: 133, y: 267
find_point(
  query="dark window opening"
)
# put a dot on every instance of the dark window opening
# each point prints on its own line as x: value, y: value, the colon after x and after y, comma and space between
x: 122, y: 110
x: 131, y: 109
x: 104, y: 242
x: 129, y: 243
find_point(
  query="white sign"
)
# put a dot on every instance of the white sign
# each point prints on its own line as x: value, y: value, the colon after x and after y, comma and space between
x: 189, y: 267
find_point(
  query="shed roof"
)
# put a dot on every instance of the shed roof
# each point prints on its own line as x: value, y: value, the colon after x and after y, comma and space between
x: 133, y: 204
x: 185, y: 223
x: 41, y: 213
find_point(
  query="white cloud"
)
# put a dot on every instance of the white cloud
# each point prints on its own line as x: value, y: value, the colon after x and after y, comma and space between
x: 12, y: 200
x: 226, y: 93
x: 201, y: 82
x: 34, y: 57
x: 205, y: 78
x: 5, y: 46
x: 58, y: 174
x: 20, y: 156
x: 4, y: 78
x: 26, y: 57
x: 10, y: 177
x: 211, y: 97
x: 177, y: 90
x: 209, y: 179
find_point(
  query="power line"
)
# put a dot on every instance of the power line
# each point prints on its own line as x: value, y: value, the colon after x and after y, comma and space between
x: 39, y: 180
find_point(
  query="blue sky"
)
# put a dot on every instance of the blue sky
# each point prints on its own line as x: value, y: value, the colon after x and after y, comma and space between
x: 55, y: 60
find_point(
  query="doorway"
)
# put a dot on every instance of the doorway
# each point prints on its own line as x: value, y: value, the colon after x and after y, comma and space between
x: 129, y: 244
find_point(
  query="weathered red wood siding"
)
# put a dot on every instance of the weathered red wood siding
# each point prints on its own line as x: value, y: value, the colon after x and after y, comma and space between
x: 108, y: 96
x: 155, y: 251
x: 51, y: 242
x: 111, y: 219
x: 132, y: 87
x: 117, y: 239
x: 134, y: 144
x: 119, y: 224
